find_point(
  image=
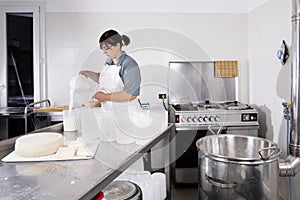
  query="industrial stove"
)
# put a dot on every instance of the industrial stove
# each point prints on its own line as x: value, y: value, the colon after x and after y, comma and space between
x: 201, y: 104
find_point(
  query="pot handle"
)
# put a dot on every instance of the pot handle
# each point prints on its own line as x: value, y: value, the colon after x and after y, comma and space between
x: 217, y: 126
x: 265, y: 149
x: 220, y: 183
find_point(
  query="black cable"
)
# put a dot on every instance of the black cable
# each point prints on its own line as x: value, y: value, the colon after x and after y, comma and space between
x: 163, y: 100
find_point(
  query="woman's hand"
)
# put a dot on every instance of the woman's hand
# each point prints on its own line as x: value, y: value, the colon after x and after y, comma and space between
x: 85, y: 73
x: 101, y: 96
x: 120, y: 96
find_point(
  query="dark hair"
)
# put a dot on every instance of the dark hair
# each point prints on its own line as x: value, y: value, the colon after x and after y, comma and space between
x: 112, y: 37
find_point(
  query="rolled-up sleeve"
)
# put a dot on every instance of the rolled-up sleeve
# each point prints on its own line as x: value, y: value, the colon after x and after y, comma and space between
x: 131, y: 76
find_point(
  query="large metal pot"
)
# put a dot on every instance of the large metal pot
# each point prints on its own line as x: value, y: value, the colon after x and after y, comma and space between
x: 122, y: 190
x: 238, y: 167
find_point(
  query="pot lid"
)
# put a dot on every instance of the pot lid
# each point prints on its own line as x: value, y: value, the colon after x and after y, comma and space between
x: 120, y: 190
x: 235, y: 105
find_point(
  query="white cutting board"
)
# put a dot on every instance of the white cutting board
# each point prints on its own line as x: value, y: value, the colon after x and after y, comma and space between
x: 90, y: 146
x: 13, y: 157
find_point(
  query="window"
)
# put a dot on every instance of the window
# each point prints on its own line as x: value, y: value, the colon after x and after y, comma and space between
x: 22, y: 53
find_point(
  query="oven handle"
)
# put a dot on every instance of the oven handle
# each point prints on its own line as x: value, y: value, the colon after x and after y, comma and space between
x: 252, y: 127
x: 187, y: 128
x: 194, y: 128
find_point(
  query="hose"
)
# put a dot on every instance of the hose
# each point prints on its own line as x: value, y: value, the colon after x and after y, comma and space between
x: 164, y: 104
x: 288, y: 152
x: 287, y: 118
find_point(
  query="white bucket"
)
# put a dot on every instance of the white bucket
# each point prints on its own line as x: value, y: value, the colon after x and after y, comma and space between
x: 105, y: 122
x: 154, y: 183
x: 161, y: 177
x: 81, y: 90
x: 90, y: 129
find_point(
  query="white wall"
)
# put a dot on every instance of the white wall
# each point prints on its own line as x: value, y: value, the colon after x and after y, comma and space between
x: 72, y: 44
x: 270, y: 82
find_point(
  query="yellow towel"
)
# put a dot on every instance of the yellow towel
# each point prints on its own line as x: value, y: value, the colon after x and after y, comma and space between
x: 226, y: 69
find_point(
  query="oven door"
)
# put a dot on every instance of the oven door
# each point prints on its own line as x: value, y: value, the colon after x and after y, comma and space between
x: 243, y: 130
x: 184, y: 169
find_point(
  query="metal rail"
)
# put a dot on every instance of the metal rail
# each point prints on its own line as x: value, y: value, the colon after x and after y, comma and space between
x: 31, y: 105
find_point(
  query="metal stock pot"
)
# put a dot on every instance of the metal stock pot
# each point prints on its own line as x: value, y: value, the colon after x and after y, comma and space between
x: 238, y: 167
x: 122, y: 190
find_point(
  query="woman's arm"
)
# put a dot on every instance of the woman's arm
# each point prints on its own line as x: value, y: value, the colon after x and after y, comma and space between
x: 115, y: 96
x: 90, y: 74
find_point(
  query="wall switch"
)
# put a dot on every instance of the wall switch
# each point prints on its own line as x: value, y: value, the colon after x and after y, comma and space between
x: 162, y: 96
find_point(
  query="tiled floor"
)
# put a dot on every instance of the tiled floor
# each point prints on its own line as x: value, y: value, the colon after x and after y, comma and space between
x: 178, y: 193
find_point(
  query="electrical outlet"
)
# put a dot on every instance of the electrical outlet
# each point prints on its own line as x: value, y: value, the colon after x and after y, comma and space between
x: 162, y: 96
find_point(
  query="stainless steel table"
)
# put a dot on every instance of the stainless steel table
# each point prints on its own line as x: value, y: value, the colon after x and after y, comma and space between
x: 81, y: 179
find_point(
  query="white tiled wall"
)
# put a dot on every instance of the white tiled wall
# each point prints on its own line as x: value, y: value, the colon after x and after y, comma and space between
x: 72, y: 44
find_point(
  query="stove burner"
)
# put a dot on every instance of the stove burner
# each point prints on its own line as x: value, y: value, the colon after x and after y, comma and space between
x: 235, y: 105
x: 207, y: 105
x: 210, y: 106
x: 185, y: 107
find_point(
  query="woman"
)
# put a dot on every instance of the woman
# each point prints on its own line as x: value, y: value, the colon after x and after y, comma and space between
x: 120, y: 80
x: 119, y: 85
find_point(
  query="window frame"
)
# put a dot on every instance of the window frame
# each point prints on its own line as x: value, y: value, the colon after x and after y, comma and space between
x: 39, y: 64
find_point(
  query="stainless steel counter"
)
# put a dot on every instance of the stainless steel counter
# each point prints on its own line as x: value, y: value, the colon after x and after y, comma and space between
x: 73, y: 179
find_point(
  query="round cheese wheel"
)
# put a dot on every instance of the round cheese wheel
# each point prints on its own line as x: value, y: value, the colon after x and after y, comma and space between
x: 38, y: 144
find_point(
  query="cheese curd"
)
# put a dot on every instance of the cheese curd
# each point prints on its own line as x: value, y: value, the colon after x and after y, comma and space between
x: 39, y: 144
